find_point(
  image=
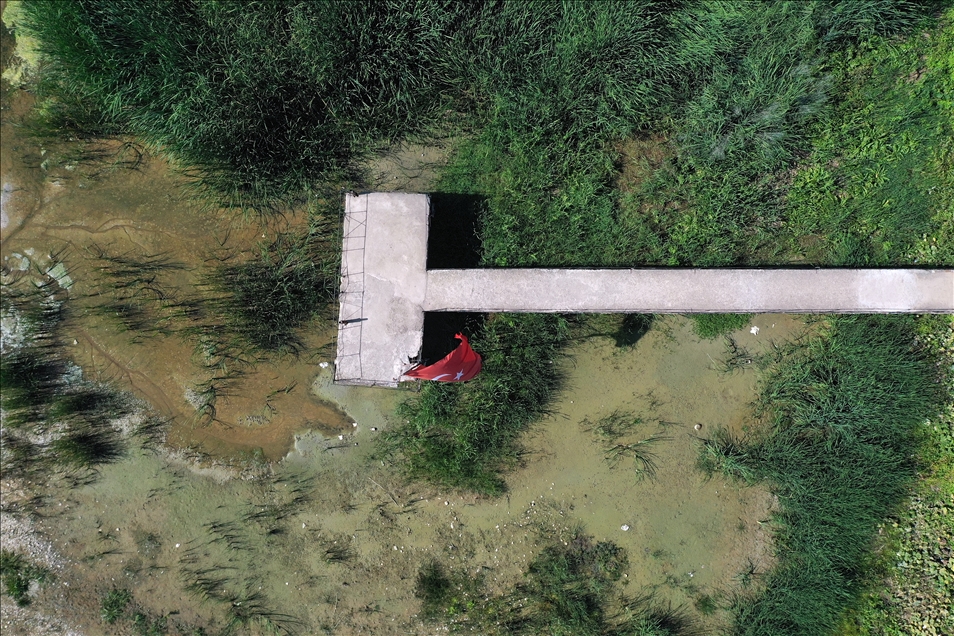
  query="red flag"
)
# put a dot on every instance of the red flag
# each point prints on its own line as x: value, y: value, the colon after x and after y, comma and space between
x: 460, y: 365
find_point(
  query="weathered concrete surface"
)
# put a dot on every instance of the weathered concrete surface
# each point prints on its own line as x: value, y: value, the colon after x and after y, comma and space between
x: 385, y: 289
x: 383, y: 280
x: 691, y: 290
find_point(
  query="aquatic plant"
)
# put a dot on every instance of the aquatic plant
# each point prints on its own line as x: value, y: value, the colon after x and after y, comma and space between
x: 643, y: 459
x: 18, y: 573
x: 613, y: 428
x: 569, y: 588
x: 114, y: 604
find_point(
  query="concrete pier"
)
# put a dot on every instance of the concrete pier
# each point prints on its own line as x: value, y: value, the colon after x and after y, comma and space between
x: 658, y: 291
x: 383, y: 281
x: 386, y: 288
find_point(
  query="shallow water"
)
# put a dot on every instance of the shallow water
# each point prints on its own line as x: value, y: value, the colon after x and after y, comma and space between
x: 687, y: 535
x: 343, y: 556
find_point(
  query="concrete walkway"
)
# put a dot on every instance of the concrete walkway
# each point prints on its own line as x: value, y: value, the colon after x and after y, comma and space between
x: 386, y: 288
x: 658, y: 291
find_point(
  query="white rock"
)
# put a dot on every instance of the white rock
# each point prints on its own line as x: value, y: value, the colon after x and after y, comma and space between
x: 754, y: 331
x: 624, y: 528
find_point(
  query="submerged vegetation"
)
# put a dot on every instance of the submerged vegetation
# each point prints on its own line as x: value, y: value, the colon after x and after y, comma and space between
x: 53, y: 419
x: 615, y: 432
x: 571, y: 587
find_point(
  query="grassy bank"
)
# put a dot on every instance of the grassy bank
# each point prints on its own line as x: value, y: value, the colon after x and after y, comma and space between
x: 908, y: 587
x: 261, y: 102
x: 843, y: 417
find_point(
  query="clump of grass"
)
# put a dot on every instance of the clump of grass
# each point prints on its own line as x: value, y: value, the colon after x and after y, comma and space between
x: 711, y: 326
x: 464, y: 435
x: 18, y: 574
x: 842, y: 415
x: 265, y: 302
x: 566, y: 586
x: 729, y: 455
x: 87, y: 447
x: 114, y: 605
x: 613, y: 428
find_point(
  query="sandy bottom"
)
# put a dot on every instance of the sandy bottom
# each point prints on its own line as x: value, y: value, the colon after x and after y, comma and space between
x: 332, y: 538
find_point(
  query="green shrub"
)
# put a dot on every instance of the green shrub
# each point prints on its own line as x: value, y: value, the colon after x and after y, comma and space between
x: 463, y: 435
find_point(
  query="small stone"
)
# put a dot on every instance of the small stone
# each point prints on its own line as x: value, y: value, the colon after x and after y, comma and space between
x: 624, y: 527
x: 754, y: 331
x: 698, y: 427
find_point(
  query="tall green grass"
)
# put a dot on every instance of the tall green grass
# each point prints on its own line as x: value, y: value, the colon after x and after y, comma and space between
x: 262, y: 100
x: 463, y: 435
x: 842, y: 415
x: 878, y: 188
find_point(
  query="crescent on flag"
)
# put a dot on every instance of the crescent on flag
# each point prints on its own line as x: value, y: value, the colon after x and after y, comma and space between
x: 460, y: 365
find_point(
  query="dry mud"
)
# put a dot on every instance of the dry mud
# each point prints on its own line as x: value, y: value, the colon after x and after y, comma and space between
x: 283, y: 503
